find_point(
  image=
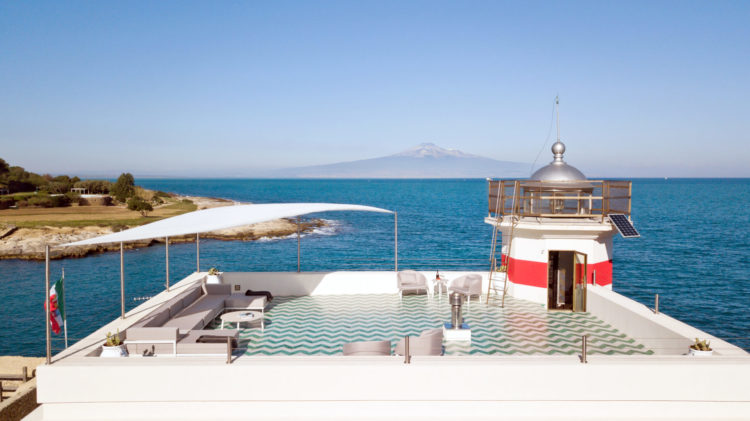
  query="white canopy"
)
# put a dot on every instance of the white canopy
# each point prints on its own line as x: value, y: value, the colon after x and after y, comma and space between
x: 219, y: 218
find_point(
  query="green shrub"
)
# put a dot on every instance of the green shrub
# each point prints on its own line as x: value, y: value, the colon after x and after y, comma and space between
x: 73, y: 197
x: 6, y: 202
x: 60, y: 201
x: 58, y: 185
x: 160, y: 193
x: 20, y: 186
x: 22, y: 196
x: 140, y: 205
x: 156, y: 200
x: 124, y: 187
x: 41, y: 201
x: 46, y: 201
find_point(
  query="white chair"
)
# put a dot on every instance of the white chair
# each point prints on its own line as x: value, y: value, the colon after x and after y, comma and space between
x: 468, y: 285
x: 411, y: 281
x: 366, y: 348
x: 429, y: 342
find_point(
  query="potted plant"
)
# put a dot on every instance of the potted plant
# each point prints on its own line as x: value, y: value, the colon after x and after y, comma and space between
x: 214, y: 276
x: 113, y: 347
x: 701, y: 348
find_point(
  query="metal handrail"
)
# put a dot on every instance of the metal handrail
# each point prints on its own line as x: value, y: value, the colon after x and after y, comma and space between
x: 552, y: 199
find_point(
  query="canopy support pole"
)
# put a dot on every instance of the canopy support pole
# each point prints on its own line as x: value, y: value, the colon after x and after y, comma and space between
x: 197, y: 252
x: 299, y: 247
x: 46, y: 303
x: 166, y: 240
x: 122, y: 282
x: 395, y: 240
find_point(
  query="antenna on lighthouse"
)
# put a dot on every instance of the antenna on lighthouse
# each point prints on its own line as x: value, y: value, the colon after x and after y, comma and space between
x: 557, y: 111
x: 549, y: 133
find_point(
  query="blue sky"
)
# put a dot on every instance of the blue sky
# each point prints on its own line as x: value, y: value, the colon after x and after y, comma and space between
x: 228, y: 88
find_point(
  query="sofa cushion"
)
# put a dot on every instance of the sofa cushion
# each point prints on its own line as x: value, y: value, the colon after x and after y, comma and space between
x: 175, y: 308
x: 199, y: 314
x: 218, y: 289
x: 240, y: 302
x: 192, y: 296
x: 142, y: 322
x: 158, y: 319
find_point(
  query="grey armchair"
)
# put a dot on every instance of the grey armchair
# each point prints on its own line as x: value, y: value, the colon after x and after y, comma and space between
x: 411, y: 281
x: 367, y: 348
x: 468, y: 285
x: 429, y: 342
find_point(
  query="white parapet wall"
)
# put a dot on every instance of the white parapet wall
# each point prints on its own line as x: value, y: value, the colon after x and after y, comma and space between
x: 431, y: 388
x: 326, y: 283
x: 658, y: 332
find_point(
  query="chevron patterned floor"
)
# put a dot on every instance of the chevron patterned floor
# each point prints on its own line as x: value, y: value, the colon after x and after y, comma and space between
x: 320, y: 325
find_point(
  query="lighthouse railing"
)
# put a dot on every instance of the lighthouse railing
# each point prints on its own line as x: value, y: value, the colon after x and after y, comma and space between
x: 561, y: 199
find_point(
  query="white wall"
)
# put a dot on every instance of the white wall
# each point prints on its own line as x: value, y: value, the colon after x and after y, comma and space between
x: 428, y: 388
x: 658, y: 332
x: 322, y: 283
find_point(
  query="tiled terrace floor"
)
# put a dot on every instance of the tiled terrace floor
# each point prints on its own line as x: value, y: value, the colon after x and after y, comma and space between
x: 320, y: 325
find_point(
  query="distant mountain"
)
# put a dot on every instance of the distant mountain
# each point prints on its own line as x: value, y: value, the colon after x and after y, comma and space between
x: 423, y: 161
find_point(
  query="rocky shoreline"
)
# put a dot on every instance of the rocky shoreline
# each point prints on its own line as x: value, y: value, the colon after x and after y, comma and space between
x: 29, y: 243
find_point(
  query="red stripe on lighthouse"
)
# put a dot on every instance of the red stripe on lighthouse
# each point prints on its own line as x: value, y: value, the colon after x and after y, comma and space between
x: 603, y: 272
x: 526, y: 272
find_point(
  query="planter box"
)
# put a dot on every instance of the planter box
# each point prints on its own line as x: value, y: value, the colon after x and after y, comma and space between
x: 213, y: 279
x: 696, y: 353
x: 113, y: 351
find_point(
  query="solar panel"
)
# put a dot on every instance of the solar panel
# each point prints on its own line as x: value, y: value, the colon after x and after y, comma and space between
x: 623, y: 225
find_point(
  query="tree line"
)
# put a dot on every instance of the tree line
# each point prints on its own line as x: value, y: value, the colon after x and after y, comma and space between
x: 17, y: 180
x: 56, y: 191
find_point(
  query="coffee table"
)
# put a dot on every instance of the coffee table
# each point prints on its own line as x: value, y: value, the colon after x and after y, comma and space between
x: 244, y: 316
x: 442, y: 284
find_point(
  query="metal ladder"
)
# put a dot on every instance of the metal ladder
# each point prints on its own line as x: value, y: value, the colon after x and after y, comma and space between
x: 493, y: 288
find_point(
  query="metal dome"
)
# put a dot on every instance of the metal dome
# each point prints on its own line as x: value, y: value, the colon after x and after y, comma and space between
x: 558, y: 170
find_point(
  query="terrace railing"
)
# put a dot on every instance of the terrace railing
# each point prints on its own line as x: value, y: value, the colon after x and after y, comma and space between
x: 560, y: 199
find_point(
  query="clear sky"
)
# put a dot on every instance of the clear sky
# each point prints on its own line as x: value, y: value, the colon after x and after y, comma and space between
x: 650, y: 88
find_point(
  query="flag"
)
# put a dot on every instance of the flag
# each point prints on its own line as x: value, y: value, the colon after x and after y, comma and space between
x: 56, y: 306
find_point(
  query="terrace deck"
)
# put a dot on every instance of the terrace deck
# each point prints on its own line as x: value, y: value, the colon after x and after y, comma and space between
x: 320, y: 325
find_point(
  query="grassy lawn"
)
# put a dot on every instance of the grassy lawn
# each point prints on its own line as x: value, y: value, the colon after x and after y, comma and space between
x: 181, y: 206
x: 81, y: 216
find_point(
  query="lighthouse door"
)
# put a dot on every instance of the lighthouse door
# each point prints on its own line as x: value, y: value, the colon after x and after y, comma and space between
x: 560, y: 270
x: 566, y: 280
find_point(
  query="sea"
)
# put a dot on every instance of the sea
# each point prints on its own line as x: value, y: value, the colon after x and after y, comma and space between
x: 694, y: 250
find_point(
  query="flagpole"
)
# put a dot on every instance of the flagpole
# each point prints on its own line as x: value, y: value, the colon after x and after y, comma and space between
x: 65, y: 315
x: 46, y: 302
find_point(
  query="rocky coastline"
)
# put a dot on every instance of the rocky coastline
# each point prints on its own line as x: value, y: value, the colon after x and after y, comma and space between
x: 29, y: 243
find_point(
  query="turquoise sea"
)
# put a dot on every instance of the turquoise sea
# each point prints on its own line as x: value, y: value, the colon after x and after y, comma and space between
x: 694, y: 250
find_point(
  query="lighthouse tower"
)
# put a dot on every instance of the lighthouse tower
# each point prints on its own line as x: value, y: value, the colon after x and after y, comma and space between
x: 556, y: 231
